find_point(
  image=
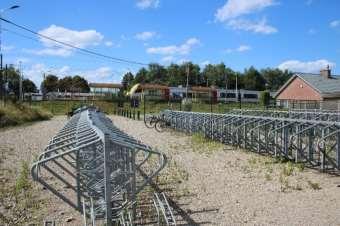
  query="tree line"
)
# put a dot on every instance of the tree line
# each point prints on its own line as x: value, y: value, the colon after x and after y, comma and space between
x: 10, y: 83
x: 173, y: 75
x: 217, y: 75
x: 52, y: 83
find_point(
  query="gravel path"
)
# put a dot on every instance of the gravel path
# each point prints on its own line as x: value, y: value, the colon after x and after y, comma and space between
x: 235, y: 187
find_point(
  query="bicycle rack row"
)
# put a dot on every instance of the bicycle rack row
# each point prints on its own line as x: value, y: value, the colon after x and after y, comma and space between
x: 96, y: 168
x: 297, y: 114
x: 314, y: 142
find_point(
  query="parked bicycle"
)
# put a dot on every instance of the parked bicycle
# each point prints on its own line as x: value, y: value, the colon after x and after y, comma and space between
x: 156, y: 121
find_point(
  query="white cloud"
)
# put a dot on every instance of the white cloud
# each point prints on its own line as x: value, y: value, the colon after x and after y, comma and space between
x: 334, y: 23
x: 146, y: 35
x: 36, y: 72
x: 182, y: 49
x: 108, y: 43
x: 145, y: 4
x: 102, y: 74
x: 168, y: 59
x: 233, y: 10
x: 253, y: 26
x: 307, y: 67
x: 205, y: 63
x: 312, y: 31
x: 63, y: 52
x: 182, y: 61
x: 236, y: 8
x: 80, y: 39
x: 241, y: 48
x: 6, y: 48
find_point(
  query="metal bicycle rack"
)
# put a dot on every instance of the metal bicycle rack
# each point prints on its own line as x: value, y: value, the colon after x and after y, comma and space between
x: 97, y: 169
x: 297, y: 114
x: 314, y: 141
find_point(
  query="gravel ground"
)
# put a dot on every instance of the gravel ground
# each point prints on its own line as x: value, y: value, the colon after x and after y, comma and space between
x: 23, y: 144
x: 235, y: 187
x: 209, y: 184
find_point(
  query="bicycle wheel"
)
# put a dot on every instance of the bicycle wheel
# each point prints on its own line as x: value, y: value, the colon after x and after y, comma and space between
x: 160, y: 126
x: 150, y: 122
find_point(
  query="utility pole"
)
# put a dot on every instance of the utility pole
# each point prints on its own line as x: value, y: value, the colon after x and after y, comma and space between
x: 188, y: 71
x: 226, y: 87
x: 236, y: 91
x: 20, y: 82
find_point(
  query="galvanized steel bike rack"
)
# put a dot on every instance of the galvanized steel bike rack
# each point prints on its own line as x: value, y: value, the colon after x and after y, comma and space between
x: 314, y: 141
x: 96, y: 168
x: 297, y: 114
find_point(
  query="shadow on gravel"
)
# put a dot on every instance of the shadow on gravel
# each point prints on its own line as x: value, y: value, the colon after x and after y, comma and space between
x: 185, y: 217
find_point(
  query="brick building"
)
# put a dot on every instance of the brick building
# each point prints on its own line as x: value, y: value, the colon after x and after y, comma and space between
x: 311, y: 91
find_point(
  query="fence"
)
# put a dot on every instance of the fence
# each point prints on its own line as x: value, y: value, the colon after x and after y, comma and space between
x: 313, y: 141
x: 102, y: 168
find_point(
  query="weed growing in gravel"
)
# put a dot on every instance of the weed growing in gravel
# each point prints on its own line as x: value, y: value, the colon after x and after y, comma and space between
x: 288, y: 169
x: 284, y: 183
x: 22, y: 182
x: 268, y: 176
x: 201, y: 144
x: 314, y: 185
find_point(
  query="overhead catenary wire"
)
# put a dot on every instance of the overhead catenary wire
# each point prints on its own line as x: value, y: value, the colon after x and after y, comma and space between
x: 116, y: 59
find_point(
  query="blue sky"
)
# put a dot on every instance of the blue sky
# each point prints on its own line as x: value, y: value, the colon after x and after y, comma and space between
x: 301, y: 35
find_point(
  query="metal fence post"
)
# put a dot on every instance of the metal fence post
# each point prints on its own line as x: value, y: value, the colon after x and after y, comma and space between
x: 107, y: 176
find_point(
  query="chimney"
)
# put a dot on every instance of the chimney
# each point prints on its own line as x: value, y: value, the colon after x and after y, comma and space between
x: 326, y: 73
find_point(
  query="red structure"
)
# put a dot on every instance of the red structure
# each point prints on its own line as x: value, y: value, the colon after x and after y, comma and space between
x: 311, y: 91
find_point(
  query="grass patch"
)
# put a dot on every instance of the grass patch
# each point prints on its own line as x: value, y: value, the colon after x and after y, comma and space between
x: 288, y: 169
x: 19, y: 198
x: 201, y: 144
x: 314, y: 185
x: 16, y: 114
x: 22, y: 182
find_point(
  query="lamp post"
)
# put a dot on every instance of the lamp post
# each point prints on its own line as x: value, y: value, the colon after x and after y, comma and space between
x: 2, y: 11
x: 2, y: 88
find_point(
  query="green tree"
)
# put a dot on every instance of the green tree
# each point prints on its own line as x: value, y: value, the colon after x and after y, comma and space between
x: 49, y: 84
x: 253, y: 80
x: 156, y: 74
x: 141, y: 76
x: 265, y: 98
x: 28, y: 86
x: 13, y: 81
x: 275, y: 78
x: 127, y: 81
x: 174, y: 75
x: 79, y: 84
x: 65, y: 84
